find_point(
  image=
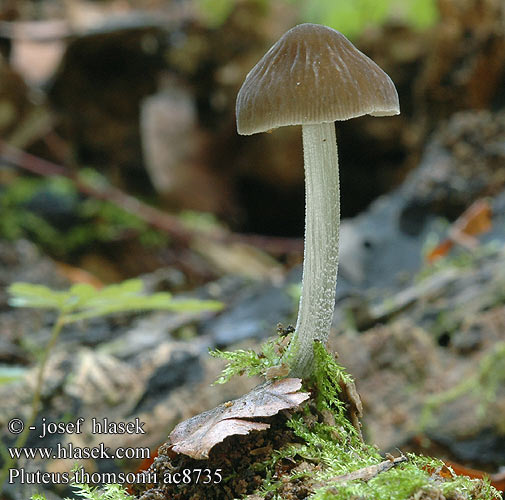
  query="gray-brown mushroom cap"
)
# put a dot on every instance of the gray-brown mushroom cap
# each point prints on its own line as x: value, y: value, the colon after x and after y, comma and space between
x: 313, y: 74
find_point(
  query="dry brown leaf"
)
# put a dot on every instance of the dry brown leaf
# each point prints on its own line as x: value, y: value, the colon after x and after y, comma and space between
x: 475, y: 220
x: 196, y: 436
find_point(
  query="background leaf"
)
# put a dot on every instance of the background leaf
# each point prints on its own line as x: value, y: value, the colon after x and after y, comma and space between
x: 39, y: 296
x: 83, y: 301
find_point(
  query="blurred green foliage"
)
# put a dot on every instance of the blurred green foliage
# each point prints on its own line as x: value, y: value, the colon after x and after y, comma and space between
x: 26, y: 203
x: 215, y: 12
x: 83, y: 301
x: 349, y: 17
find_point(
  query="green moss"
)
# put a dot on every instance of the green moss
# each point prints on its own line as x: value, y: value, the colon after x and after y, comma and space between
x: 241, y: 362
x: 395, y: 484
x: 108, y: 492
x: 328, y: 378
x: 250, y: 363
x: 331, y: 446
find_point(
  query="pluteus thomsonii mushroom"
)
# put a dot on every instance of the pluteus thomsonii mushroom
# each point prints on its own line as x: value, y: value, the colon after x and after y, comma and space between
x: 312, y: 77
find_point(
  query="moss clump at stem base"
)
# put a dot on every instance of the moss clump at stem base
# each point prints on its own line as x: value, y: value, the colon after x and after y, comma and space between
x: 305, y: 453
x: 332, y: 446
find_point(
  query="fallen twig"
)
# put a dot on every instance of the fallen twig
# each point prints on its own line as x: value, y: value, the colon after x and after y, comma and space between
x: 367, y: 473
x: 154, y: 217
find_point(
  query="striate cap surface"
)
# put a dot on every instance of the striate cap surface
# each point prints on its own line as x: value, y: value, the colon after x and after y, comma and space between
x: 312, y: 74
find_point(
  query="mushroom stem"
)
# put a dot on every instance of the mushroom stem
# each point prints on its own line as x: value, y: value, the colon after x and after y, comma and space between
x: 320, y: 263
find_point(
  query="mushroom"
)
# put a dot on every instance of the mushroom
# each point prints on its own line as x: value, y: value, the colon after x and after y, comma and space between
x: 312, y: 77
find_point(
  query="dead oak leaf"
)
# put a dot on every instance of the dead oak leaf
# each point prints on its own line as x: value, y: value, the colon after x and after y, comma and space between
x: 196, y: 436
